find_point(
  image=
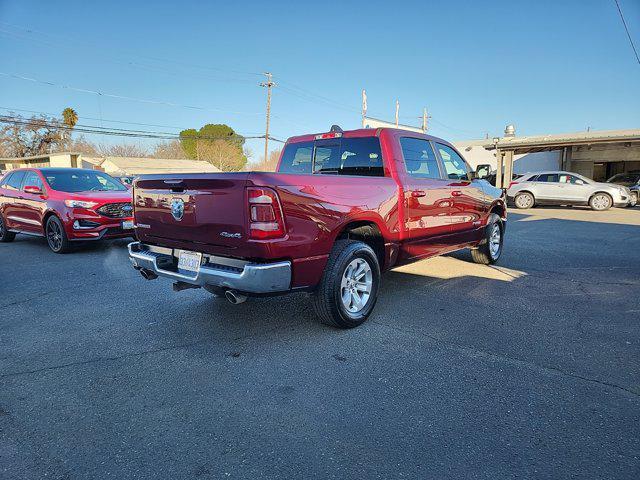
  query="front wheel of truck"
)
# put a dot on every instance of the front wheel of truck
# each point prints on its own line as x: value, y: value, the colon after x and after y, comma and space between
x: 349, y: 287
x: 490, y: 248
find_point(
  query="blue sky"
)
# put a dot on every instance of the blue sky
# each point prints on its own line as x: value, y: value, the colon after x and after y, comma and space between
x: 546, y: 66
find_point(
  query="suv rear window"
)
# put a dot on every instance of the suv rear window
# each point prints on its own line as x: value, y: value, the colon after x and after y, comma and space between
x: 339, y: 156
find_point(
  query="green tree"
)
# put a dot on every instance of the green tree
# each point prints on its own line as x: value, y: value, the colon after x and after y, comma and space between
x: 189, y: 141
x: 210, y: 141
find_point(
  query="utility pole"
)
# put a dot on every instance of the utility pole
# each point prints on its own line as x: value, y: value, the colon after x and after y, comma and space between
x: 397, y: 112
x: 269, y: 83
x: 364, y: 106
x: 425, y: 120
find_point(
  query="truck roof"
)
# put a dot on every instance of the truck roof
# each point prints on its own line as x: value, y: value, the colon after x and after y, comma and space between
x: 367, y: 132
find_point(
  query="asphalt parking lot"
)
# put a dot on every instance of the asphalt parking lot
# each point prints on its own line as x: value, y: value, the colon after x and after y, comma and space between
x: 527, y: 370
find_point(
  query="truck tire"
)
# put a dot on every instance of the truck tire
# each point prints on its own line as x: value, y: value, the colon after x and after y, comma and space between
x: 5, y: 235
x: 601, y: 201
x: 56, y: 236
x: 490, y: 248
x: 524, y: 200
x: 349, y: 287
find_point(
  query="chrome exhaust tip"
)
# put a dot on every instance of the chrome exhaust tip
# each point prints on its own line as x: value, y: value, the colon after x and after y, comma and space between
x: 234, y: 297
x: 148, y: 274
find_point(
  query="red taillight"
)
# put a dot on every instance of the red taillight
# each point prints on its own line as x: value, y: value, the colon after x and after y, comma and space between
x: 512, y: 184
x: 265, y: 214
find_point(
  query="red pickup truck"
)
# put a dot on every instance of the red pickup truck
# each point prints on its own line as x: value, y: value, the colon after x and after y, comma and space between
x: 342, y: 207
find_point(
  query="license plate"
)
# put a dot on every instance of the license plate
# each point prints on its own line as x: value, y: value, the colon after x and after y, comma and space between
x: 189, y: 261
x: 127, y: 225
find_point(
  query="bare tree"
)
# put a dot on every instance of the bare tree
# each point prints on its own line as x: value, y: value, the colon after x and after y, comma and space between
x: 122, y: 150
x: 172, y: 149
x: 222, y: 154
x: 270, y: 164
x: 23, y: 137
x: 82, y: 145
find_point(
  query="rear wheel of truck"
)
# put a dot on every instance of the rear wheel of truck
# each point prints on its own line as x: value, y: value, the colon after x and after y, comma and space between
x: 490, y: 248
x: 349, y: 287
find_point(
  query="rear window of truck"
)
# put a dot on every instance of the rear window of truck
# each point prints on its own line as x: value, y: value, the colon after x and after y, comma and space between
x: 336, y: 156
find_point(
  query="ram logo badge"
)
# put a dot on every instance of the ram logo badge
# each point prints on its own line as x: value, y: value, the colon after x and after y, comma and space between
x: 177, y: 208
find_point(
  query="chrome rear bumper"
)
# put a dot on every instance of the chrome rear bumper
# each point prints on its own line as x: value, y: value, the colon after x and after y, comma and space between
x: 217, y: 271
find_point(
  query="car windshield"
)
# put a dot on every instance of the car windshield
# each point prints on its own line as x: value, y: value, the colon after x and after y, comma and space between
x: 73, y: 181
x: 625, y: 178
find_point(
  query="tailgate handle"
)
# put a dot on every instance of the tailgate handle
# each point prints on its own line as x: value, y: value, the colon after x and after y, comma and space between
x: 177, y: 186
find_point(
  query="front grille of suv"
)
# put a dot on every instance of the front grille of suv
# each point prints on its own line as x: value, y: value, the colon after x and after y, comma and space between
x: 116, y: 210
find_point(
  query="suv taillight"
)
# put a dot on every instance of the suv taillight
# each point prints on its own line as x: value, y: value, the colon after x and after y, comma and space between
x: 512, y: 184
x: 265, y: 214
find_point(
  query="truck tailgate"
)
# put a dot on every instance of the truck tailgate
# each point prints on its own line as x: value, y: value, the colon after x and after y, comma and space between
x: 195, y: 211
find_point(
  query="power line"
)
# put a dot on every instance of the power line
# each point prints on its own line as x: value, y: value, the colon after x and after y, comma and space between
x: 9, y: 109
x: 626, y: 28
x: 97, y: 130
x: 123, y: 97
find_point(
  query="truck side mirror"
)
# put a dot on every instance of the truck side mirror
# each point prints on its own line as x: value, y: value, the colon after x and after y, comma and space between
x: 482, y: 171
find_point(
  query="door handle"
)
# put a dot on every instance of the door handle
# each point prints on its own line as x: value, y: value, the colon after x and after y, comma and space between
x: 418, y: 193
x: 456, y: 193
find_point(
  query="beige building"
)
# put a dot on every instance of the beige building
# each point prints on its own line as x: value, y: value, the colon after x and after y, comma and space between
x: 594, y: 154
x: 116, y: 166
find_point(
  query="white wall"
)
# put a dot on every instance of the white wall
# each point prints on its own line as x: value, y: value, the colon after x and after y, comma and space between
x: 533, y: 162
x: 476, y: 155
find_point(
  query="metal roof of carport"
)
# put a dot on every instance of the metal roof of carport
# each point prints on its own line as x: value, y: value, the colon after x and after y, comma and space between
x: 541, y: 143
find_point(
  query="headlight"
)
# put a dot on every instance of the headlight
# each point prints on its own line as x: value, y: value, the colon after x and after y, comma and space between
x: 79, y: 204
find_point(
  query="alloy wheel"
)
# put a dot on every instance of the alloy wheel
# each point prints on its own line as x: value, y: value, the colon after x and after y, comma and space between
x: 54, y: 235
x: 524, y: 201
x: 495, y: 241
x: 356, y: 285
x: 601, y: 202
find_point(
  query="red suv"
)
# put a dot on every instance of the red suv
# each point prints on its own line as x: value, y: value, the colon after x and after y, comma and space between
x: 64, y: 205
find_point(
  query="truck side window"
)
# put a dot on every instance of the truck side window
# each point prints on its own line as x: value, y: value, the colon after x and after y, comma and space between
x: 297, y: 158
x: 419, y: 158
x: 361, y: 156
x: 454, y: 166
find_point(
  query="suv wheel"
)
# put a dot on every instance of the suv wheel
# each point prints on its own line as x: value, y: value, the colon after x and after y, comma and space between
x: 601, y: 201
x: 633, y: 201
x: 490, y: 248
x: 524, y: 200
x: 349, y: 287
x: 5, y: 235
x: 56, y: 236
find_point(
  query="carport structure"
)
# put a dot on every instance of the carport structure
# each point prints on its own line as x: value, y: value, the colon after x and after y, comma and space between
x: 598, y: 154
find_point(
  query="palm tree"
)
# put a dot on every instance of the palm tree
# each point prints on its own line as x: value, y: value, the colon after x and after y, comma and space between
x: 69, y: 117
x: 69, y: 120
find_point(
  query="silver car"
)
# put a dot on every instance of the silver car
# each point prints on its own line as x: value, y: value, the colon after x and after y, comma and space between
x: 565, y: 188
